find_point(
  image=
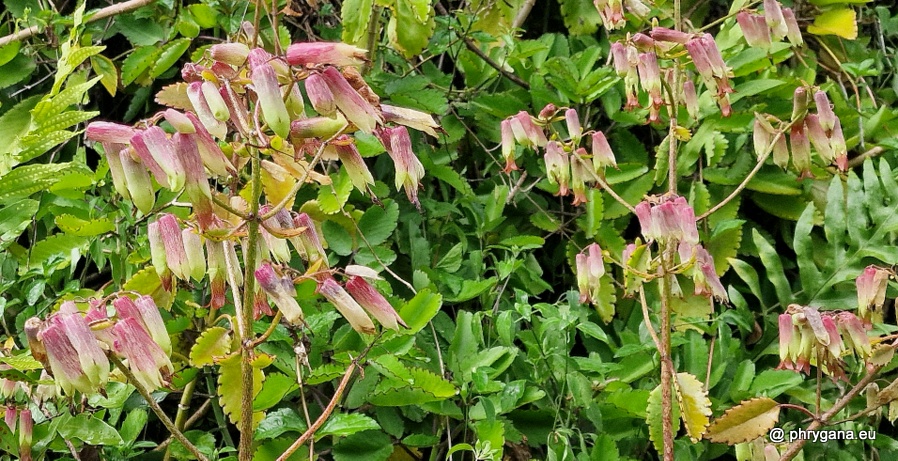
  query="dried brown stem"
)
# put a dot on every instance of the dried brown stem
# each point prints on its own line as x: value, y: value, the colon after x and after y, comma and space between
x: 111, y: 10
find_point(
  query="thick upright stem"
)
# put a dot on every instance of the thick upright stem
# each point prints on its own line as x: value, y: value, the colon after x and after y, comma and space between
x: 666, y: 363
x: 246, y: 314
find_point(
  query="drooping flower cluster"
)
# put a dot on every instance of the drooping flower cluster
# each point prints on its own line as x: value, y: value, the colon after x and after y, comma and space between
x: 73, y: 345
x: 808, y: 336
x: 671, y: 222
x: 636, y: 61
x: 352, y: 302
x: 568, y: 166
x: 775, y: 24
x: 823, y: 130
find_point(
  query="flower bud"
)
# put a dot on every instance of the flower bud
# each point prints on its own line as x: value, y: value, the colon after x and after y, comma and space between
x: 558, y: 168
x: 691, y: 99
x: 193, y: 248
x: 840, y: 150
x: 590, y: 270
x: 356, y: 109
x: 619, y: 56
x: 643, y: 42
x: 145, y: 311
x: 792, y: 30
x: 141, y: 150
x: 318, y: 127
x: 157, y: 253
x: 347, y: 306
x: 411, y: 118
x: 354, y: 163
x: 111, y: 133
x: 173, y: 242
x: 197, y: 186
x: 580, y: 176
x: 116, y: 170
x: 573, y: 124
x: 180, y: 122
x: 230, y: 53
x: 282, y: 292
x: 602, y: 155
x: 307, y: 242
x: 153, y: 142
x: 773, y: 18
x: 205, y: 114
x: 801, y: 150
x: 825, y: 111
x: 526, y: 132
x: 409, y: 169
x: 320, y: 95
x: 215, y: 102
x: 374, y: 303
x: 274, y: 111
x: 146, y: 359
x: 218, y: 273
x: 799, y: 103
x: 336, y: 54
x: 853, y: 332
x: 211, y: 154
x: 664, y: 34
x: 137, y: 180
x: 508, y: 145
x: 755, y: 30
x: 871, y: 291
x: 26, y: 432
x: 819, y: 138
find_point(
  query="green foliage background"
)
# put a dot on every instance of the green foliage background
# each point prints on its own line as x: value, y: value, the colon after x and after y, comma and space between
x: 500, y: 361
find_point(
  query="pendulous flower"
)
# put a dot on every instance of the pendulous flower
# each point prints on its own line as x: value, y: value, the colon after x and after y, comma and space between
x: 346, y: 305
x: 374, y: 303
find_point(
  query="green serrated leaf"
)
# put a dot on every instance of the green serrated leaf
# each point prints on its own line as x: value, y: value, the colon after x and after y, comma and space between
x: 325, y: 373
x: 105, y: 68
x: 355, y: 15
x: 50, y: 106
x: 169, y: 56
x: 35, y: 145
x: 771, y: 259
x: 653, y: 418
x: 83, y: 228
x: 418, y: 311
x: 54, y: 246
x: 230, y: 387
x: 745, y: 422
x: 138, y: 62
x: 378, y: 223
x: 213, y: 343
x: 63, y: 120
x: 424, y: 387
x: 343, y: 424
x: 89, y: 429
x: 407, y: 32
x: 695, y: 407
x: 14, y: 219
x: 22, y: 362
x: 332, y: 198
x: 724, y: 244
x: 580, y: 16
